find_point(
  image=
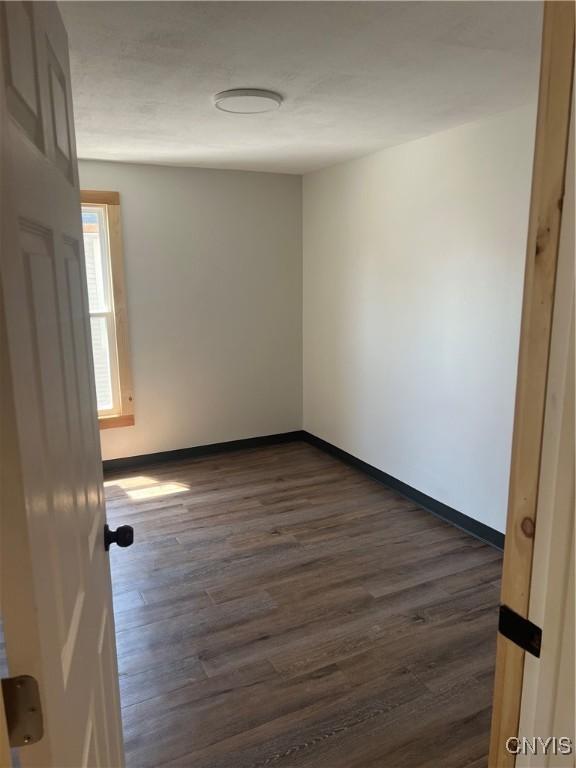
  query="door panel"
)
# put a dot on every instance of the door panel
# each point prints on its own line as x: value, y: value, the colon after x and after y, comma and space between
x: 60, y: 111
x: 21, y: 70
x: 54, y: 522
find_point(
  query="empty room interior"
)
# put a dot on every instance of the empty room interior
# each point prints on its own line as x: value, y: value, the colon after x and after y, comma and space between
x: 305, y: 228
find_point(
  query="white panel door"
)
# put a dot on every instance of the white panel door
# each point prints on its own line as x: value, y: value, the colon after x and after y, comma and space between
x: 56, y: 593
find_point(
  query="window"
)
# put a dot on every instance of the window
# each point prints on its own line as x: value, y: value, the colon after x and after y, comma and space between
x: 107, y: 306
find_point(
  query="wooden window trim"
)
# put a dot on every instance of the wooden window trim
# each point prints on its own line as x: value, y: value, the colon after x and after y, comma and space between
x: 112, y: 202
x: 110, y: 422
x: 96, y: 197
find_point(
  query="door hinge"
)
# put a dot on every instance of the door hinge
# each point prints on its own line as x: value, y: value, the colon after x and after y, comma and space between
x: 23, y: 710
x: 520, y: 630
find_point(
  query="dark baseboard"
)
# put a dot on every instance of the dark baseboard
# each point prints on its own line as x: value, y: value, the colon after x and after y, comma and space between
x: 144, y: 460
x: 460, y: 520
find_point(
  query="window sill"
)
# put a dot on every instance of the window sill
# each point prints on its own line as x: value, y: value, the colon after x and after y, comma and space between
x: 110, y: 422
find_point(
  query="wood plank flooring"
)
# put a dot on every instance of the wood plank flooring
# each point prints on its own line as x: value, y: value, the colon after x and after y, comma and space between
x: 279, y: 608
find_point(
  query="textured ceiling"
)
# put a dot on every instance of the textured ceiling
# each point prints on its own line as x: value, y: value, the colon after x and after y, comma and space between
x: 356, y: 76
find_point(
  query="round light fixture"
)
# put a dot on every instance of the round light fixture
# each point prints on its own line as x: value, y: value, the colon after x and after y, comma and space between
x: 247, y: 101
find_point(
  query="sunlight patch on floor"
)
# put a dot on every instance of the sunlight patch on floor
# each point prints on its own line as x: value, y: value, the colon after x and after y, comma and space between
x: 153, y: 491
x: 142, y: 487
x: 131, y: 482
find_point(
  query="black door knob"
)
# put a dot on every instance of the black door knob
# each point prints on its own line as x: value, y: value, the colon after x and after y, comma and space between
x: 123, y: 536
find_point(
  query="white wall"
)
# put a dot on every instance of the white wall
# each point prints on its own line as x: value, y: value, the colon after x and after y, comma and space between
x: 413, y: 261
x: 413, y: 270
x: 213, y: 272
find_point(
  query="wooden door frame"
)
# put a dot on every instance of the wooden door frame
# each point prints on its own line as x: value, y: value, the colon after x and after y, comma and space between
x: 550, y: 156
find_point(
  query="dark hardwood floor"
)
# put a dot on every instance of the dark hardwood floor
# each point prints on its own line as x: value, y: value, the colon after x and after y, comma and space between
x: 279, y: 608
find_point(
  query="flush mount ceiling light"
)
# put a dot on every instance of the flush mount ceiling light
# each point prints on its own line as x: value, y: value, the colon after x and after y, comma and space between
x: 247, y: 101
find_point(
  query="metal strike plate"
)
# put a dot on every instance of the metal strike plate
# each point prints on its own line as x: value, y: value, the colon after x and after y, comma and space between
x: 23, y: 710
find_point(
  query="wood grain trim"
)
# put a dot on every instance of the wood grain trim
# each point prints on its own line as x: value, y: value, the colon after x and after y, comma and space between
x: 111, y: 422
x: 120, y: 310
x: 96, y: 197
x: 556, y: 80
